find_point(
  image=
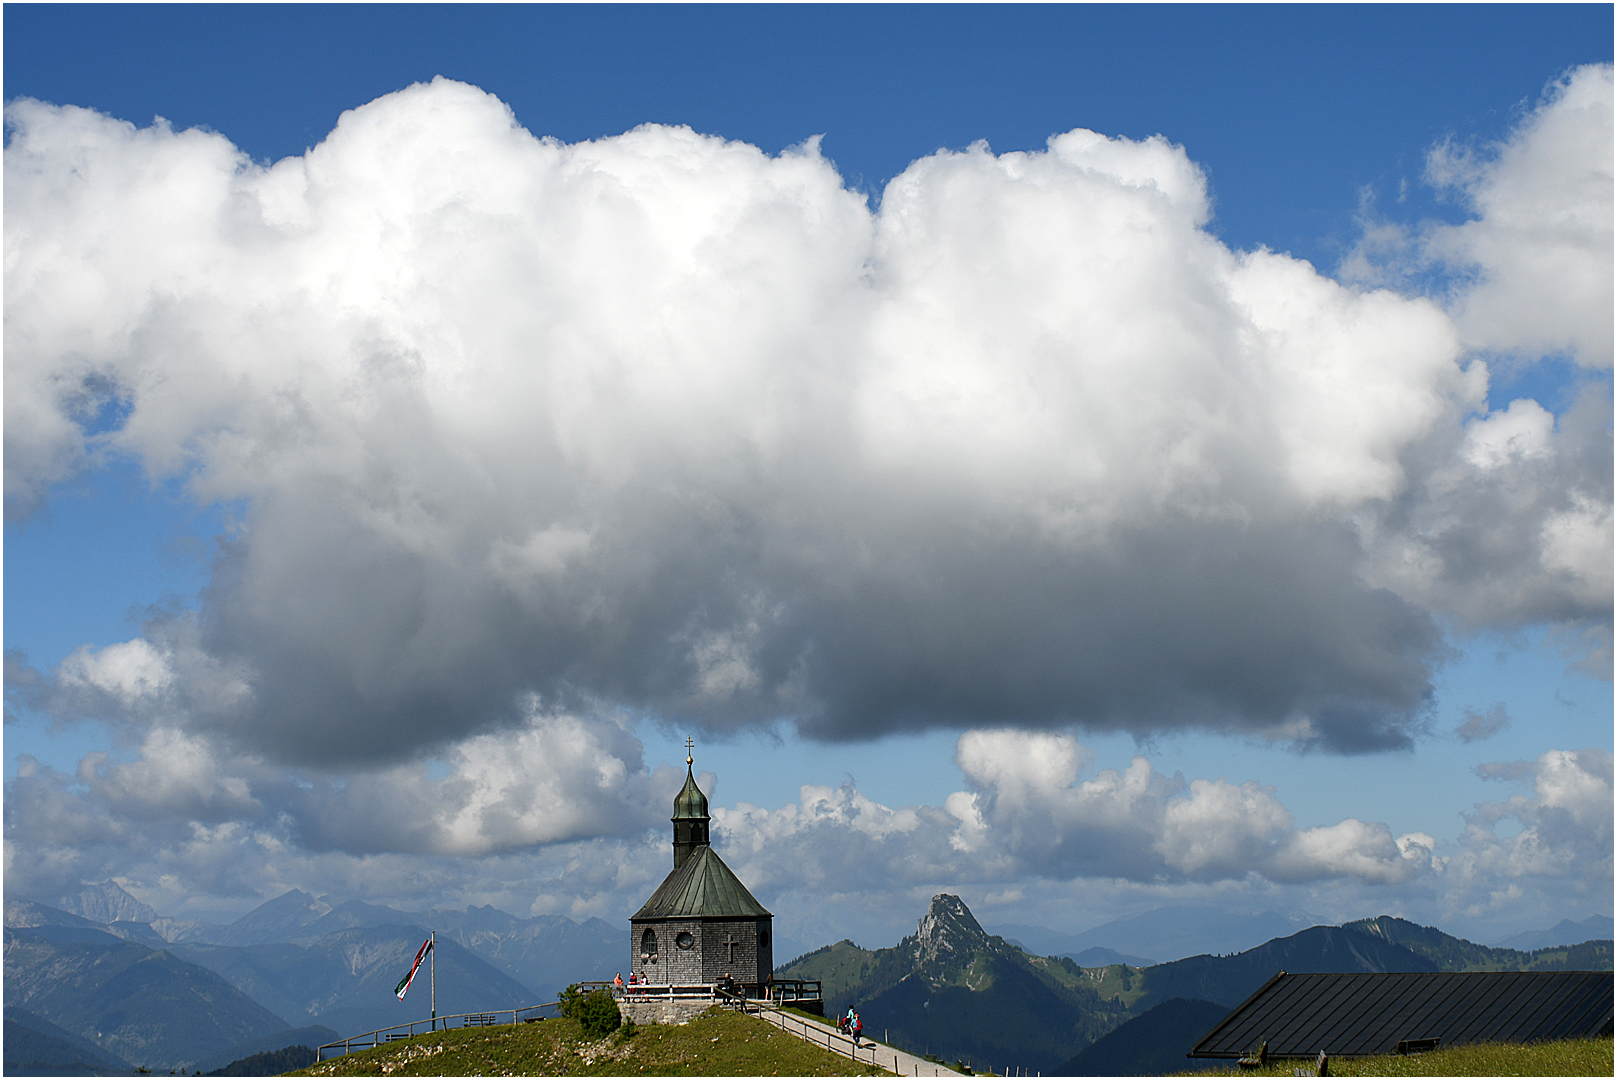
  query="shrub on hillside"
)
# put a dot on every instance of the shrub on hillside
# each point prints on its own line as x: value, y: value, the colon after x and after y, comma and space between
x: 595, y: 1012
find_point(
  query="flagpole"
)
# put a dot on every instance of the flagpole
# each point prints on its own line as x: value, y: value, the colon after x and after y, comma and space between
x: 432, y: 974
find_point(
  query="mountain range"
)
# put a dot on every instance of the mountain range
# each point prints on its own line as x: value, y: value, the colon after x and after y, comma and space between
x: 293, y: 964
x: 111, y: 977
x: 1565, y: 932
x: 142, y: 1005
x: 956, y: 991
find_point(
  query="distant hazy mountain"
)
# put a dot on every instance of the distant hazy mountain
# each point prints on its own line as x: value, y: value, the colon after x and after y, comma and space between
x: 1098, y: 957
x: 107, y: 903
x: 345, y: 980
x: 186, y: 929
x: 37, y: 1047
x: 1042, y: 941
x: 1565, y: 932
x: 353, y: 915
x: 544, y: 953
x: 1152, y: 1044
x: 1038, y: 940
x: 147, y: 1007
x: 1457, y: 954
x: 1172, y: 933
x: 22, y: 914
x: 277, y: 920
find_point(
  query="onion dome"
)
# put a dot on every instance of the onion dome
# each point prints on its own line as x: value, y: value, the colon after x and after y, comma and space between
x: 690, y: 816
x: 690, y: 802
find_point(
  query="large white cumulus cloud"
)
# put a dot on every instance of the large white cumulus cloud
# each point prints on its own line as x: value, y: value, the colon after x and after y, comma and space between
x: 661, y: 422
x: 1541, y: 244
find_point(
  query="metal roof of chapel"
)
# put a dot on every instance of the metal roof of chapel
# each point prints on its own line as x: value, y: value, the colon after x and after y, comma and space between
x: 704, y: 888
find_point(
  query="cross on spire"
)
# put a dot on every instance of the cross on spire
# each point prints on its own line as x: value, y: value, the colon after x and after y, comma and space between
x: 688, y: 744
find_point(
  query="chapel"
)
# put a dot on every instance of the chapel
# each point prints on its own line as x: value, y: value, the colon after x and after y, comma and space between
x: 701, y: 925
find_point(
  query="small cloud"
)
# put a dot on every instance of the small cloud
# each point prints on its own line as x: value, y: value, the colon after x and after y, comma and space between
x: 1505, y: 770
x: 1477, y: 727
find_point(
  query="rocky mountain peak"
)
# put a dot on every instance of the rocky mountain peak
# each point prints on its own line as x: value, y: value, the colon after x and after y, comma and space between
x: 107, y: 903
x: 948, y: 930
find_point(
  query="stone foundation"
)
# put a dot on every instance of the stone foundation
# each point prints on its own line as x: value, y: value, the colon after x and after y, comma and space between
x: 665, y: 1011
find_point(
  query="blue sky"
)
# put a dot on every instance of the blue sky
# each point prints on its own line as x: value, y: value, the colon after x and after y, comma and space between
x: 948, y: 499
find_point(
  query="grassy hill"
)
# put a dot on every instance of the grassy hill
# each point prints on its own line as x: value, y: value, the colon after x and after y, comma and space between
x: 1570, y: 1057
x: 723, y: 1043
x: 717, y: 1043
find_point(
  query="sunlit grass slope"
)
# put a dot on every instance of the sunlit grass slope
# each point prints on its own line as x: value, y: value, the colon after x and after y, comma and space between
x: 1573, y: 1057
x: 718, y: 1043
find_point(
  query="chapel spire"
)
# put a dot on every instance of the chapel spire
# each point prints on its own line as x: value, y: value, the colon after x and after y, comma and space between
x: 690, y: 814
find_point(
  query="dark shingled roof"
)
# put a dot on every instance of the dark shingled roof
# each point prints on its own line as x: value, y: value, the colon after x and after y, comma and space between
x: 704, y: 888
x: 1367, y: 1013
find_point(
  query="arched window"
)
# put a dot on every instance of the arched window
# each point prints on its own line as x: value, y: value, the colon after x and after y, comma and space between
x: 648, y: 943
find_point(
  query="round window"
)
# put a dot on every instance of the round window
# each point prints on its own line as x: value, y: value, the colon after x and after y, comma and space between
x: 685, y: 941
x: 763, y: 940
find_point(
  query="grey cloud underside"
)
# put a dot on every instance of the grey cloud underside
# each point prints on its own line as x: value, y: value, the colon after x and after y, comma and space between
x: 1223, y: 626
